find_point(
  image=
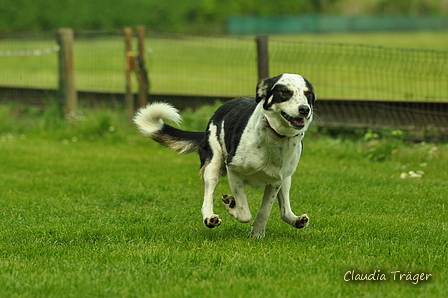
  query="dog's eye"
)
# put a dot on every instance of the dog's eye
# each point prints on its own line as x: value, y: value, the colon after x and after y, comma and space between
x: 308, y: 94
x: 286, y: 92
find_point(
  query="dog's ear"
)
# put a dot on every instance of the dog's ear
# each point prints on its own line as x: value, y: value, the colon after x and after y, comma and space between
x: 264, y: 86
x: 261, y: 90
x: 313, y: 97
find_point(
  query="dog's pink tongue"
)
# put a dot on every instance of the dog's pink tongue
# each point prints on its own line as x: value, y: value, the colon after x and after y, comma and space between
x: 299, y: 121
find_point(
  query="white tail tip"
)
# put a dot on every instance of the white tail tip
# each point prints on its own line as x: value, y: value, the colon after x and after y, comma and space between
x: 149, y: 118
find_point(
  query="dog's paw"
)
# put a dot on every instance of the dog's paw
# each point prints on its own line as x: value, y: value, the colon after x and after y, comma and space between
x: 242, y: 215
x: 211, y: 222
x: 229, y: 202
x: 302, y: 221
x: 257, y: 233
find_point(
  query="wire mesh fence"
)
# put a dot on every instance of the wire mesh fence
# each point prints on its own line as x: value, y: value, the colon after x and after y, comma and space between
x: 202, y: 65
x: 227, y: 66
x: 223, y: 67
x: 28, y: 61
x: 99, y: 62
x: 346, y: 71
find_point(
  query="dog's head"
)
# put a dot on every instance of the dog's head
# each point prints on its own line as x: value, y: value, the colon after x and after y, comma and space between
x: 287, y: 101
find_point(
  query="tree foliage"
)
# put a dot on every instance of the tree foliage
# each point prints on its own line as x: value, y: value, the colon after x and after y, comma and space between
x: 182, y: 16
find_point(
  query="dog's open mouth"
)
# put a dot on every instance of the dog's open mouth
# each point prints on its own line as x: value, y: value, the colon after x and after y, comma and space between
x: 295, y: 122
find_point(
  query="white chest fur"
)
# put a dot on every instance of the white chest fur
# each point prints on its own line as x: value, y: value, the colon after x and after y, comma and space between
x: 262, y: 157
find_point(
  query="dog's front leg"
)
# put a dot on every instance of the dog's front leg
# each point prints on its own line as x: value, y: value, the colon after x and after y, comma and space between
x: 285, y: 207
x: 259, y: 224
x: 236, y: 204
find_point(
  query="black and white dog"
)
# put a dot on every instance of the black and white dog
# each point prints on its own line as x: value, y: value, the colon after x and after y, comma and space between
x: 257, y: 141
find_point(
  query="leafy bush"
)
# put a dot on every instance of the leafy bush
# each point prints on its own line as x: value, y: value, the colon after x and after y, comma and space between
x: 181, y: 16
x: 197, y: 120
x: 88, y: 124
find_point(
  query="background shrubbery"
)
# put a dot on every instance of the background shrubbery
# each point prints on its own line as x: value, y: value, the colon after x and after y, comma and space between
x: 183, y: 16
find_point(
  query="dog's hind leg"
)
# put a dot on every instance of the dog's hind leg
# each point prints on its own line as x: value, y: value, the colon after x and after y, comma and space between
x: 212, y: 161
x: 236, y: 204
x: 211, y: 172
x: 259, y: 224
x: 285, y: 207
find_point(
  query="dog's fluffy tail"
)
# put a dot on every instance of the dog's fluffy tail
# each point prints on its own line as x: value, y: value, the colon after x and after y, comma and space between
x: 149, y: 122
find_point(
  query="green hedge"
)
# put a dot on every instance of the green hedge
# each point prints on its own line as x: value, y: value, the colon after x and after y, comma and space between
x: 179, y: 16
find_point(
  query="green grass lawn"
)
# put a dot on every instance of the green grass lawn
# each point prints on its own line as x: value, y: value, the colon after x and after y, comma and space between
x: 226, y: 66
x: 90, y: 208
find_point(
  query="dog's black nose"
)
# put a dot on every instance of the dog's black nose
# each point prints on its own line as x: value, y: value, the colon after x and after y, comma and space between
x: 304, y: 110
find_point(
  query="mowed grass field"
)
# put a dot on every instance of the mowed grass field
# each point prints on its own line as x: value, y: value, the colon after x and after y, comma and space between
x: 340, y: 65
x: 91, y: 208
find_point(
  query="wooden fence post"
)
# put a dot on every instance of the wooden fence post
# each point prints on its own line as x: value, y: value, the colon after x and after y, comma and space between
x: 262, y: 57
x: 142, y: 73
x: 67, y: 89
x: 129, y: 67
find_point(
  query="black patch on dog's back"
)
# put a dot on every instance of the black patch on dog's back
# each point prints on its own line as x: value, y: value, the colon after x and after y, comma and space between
x: 234, y: 115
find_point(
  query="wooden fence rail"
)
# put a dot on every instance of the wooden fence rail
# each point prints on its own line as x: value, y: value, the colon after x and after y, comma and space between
x: 422, y: 117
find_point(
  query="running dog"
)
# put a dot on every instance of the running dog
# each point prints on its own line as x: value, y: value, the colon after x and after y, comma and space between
x: 255, y: 140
